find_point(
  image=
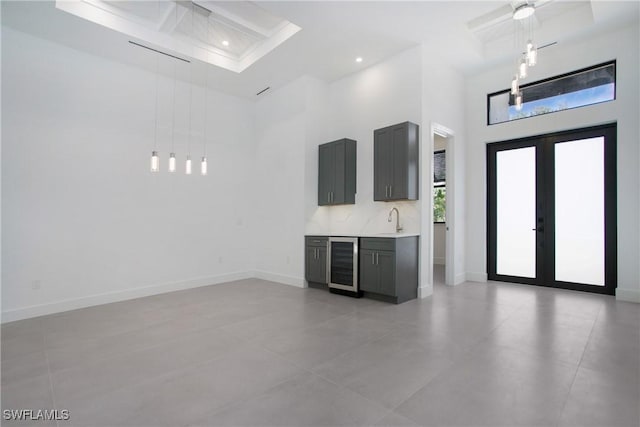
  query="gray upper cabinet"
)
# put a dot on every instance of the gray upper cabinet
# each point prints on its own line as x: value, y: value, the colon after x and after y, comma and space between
x: 395, y: 169
x: 337, y: 173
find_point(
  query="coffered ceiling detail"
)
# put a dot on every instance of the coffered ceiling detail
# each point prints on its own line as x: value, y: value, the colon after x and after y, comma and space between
x: 231, y: 35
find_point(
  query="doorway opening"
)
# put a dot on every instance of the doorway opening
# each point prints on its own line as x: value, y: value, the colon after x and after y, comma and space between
x: 439, y: 185
x: 551, y: 211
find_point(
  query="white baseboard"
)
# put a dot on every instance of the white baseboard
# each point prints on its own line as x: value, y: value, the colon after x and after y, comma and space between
x: 280, y: 278
x: 425, y: 292
x: 476, y: 277
x: 631, y: 295
x: 460, y: 278
x: 109, y: 297
x: 439, y: 260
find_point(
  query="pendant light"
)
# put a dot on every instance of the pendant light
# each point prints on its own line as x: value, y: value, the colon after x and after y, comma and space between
x: 187, y: 166
x: 515, y: 85
x: 172, y: 162
x: 203, y: 161
x: 532, y: 54
x: 172, y: 155
x: 155, y: 160
x: 522, y: 69
x: 203, y: 166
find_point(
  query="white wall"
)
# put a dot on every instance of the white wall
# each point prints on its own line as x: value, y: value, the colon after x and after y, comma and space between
x: 278, y: 207
x: 290, y: 124
x: 442, y: 98
x: 87, y: 223
x: 621, y: 45
x: 381, y: 95
x: 84, y: 221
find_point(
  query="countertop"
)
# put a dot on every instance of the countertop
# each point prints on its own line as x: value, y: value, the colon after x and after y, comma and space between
x: 381, y: 235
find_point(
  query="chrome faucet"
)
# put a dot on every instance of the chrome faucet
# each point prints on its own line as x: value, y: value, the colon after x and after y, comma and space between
x: 398, y: 227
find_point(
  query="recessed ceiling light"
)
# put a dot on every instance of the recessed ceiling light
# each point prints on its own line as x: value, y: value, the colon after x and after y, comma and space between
x: 359, y: 59
x: 225, y: 42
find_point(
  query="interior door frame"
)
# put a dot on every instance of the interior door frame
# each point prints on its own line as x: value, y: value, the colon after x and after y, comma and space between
x: 545, y: 200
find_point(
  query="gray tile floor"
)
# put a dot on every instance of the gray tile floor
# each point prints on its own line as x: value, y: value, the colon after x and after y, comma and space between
x: 259, y: 353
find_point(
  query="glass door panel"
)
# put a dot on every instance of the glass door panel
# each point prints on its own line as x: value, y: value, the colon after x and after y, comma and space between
x: 552, y: 209
x: 516, y: 212
x: 579, y: 211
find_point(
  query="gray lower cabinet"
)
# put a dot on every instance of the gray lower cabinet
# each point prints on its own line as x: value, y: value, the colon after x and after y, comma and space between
x: 389, y: 268
x: 315, y: 260
x: 337, y: 172
x: 395, y: 153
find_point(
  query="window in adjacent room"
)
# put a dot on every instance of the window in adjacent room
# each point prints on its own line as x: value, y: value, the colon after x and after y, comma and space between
x: 580, y: 88
x: 439, y: 186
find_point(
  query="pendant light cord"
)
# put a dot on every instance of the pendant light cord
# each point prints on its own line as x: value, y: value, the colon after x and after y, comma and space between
x: 206, y: 98
x: 173, y: 118
x: 190, y: 90
x: 155, y: 133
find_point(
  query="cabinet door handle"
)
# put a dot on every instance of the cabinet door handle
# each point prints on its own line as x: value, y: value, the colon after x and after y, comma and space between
x: 390, y: 190
x: 377, y: 259
x: 372, y: 258
x: 386, y: 191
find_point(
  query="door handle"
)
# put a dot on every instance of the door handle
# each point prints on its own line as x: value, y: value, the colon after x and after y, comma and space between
x: 377, y: 259
x: 372, y: 258
x: 390, y: 190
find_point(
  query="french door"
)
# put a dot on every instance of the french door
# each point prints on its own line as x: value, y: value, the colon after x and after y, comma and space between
x: 551, y: 211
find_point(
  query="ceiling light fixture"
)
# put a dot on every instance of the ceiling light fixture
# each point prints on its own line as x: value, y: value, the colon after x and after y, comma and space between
x: 523, y: 11
x: 359, y: 59
x: 530, y: 56
x: 225, y: 42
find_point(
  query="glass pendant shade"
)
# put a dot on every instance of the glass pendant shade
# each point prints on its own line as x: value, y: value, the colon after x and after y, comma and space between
x: 155, y: 162
x: 203, y: 166
x: 515, y: 85
x: 522, y: 69
x: 532, y: 54
x: 519, y: 101
x: 172, y: 162
x: 188, y: 166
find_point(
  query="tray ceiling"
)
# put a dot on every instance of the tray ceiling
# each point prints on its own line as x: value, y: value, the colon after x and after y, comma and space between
x: 231, y: 35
